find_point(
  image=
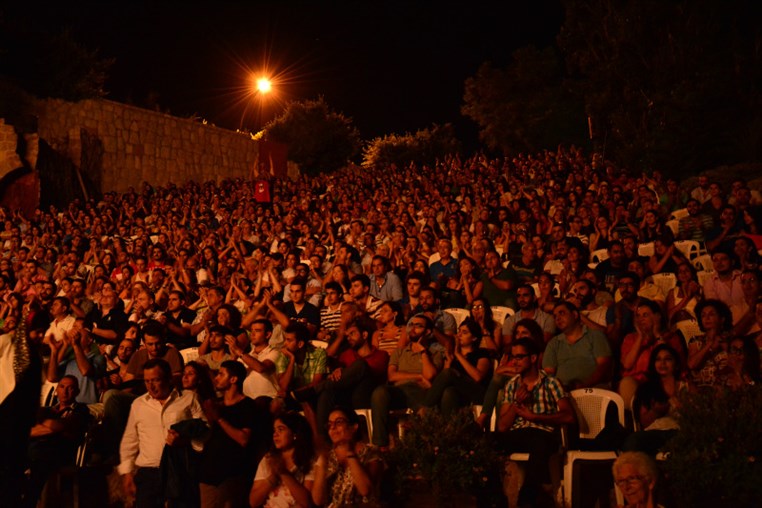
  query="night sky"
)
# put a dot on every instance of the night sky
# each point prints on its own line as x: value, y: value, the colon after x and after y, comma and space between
x: 391, y: 66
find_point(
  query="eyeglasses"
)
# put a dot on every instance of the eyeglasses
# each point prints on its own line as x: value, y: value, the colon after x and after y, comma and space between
x: 478, y: 307
x: 339, y: 422
x: 629, y: 480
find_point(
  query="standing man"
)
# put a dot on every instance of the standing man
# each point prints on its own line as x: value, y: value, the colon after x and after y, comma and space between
x: 149, y: 429
x: 239, y: 437
x: 535, y: 405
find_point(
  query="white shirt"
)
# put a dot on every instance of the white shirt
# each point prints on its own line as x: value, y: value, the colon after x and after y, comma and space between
x: 58, y: 329
x: 148, y: 425
x: 257, y: 384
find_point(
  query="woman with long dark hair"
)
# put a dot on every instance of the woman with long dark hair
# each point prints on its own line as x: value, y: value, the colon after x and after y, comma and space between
x: 285, y: 475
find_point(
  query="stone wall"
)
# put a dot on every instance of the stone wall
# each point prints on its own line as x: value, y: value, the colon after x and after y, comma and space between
x: 9, y: 159
x: 116, y: 146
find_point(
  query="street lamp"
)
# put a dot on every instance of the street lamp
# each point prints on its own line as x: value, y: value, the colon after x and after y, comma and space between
x: 264, y: 85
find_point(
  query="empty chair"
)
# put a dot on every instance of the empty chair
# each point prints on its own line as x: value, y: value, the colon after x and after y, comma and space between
x: 590, y: 405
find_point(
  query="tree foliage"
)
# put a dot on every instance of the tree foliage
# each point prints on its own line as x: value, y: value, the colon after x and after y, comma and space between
x: 423, y: 147
x: 526, y: 105
x: 668, y: 84
x: 673, y: 85
x: 318, y: 138
x: 52, y: 65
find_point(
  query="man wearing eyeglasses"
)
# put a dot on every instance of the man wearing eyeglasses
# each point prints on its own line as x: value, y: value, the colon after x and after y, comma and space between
x: 535, y: 405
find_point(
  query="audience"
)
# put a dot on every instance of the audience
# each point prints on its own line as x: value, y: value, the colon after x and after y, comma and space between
x: 107, y: 286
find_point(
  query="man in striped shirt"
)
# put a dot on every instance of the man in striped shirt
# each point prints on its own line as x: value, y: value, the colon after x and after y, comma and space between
x: 535, y: 405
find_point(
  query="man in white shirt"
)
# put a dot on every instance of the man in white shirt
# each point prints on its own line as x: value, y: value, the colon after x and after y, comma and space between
x: 63, y: 320
x: 149, y: 429
x: 260, y: 383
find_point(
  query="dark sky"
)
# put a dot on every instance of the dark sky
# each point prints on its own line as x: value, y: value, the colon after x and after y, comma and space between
x: 391, y: 66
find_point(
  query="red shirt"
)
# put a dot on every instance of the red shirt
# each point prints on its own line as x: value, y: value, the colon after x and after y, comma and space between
x: 378, y: 361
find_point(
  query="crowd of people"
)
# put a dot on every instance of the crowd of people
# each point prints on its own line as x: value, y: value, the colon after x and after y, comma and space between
x: 248, y: 326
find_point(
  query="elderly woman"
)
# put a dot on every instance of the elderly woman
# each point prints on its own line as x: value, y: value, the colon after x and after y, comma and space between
x: 635, y: 474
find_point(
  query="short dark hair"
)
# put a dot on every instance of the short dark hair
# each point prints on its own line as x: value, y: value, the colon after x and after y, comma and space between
x: 529, y: 346
x: 301, y: 331
x: 235, y: 369
x: 154, y: 329
x: 361, y: 278
x: 163, y: 365
x: 268, y: 324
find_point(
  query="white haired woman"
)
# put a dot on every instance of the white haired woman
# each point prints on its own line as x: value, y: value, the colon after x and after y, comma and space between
x: 635, y: 474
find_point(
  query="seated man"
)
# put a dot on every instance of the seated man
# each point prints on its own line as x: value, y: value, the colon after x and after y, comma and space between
x: 54, y: 439
x: 535, y: 405
x: 261, y: 383
x: 300, y: 366
x: 410, y: 371
x: 579, y: 357
x: 362, y: 368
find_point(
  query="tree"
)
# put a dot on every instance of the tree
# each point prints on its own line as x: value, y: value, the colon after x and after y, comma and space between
x: 318, y: 138
x: 671, y: 85
x: 52, y: 65
x: 525, y: 106
x: 423, y: 147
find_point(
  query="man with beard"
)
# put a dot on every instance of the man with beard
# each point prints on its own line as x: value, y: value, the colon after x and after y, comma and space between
x: 609, y: 270
x: 361, y: 369
x: 582, y: 295
x: 178, y: 319
x: 535, y: 405
x: 239, y: 436
x: 528, y: 309
x: 410, y: 372
x: 444, y: 324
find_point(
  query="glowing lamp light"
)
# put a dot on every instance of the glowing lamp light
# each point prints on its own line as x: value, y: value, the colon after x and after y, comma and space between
x: 264, y: 85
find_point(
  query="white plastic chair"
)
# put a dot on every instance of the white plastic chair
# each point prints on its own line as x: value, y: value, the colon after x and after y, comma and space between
x: 556, y: 291
x: 590, y: 405
x: 189, y: 354
x: 599, y: 255
x: 691, y: 248
x: 367, y: 414
x: 703, y: 276
x: 500, y: 314
x: 646, y: 249
x: 678, y: 214
x: 434, y: 258
x: 48, y: 393
x: 674, y: 225
x: 319, y: 343
x: 554, y: 266
x: 689, y: 328
x: 703, y: 263
x: 665, y: 281
x: 459, y: 315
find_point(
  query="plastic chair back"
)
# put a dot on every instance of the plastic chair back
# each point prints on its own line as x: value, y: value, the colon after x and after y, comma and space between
x: 189, y: 354
x: 690, y: 248
x: 459, y: 315
x: 674, y: 225
x: 500, y: 313
x: 599, y: 255
x: 646, y: 249
x: 591, y: 404
x: 678, y: 214
x: 665, y: 281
